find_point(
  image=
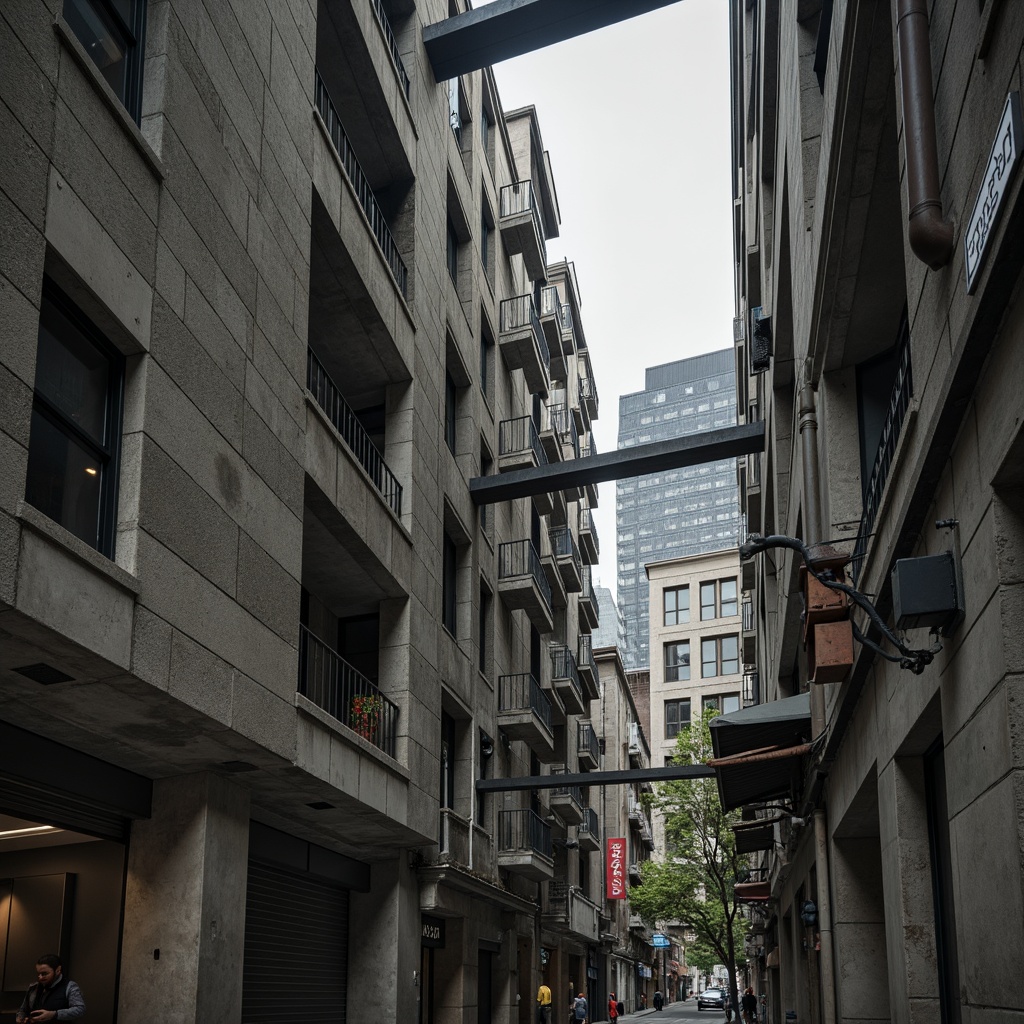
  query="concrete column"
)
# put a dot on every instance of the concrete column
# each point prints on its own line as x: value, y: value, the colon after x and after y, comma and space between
x: 184, y: 918
x: 907, y: 885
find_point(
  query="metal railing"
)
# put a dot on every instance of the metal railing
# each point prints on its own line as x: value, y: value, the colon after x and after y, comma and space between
x: 575, y: 793
x: 389, y: 38
x: 519, y: 312
x: 563, y: 666
x: 521, y: 198
x: 565, y: 318
x: 588, y: 390
x: 638, y: 746
x: 332, y: 684
x: 561, y: 422
x: 751, y: 689
x: 748, y: 614
x: 586, y: 654
x: 563, y: 545
x: 522, y: 692
x: 549, y: 301
x: 590, y: 823
x: 361, y: 187
x: 352, y: 432
x: 588, y: 742
x: 586, y: 524
x: 523, y: 832
x: 520, y: 558
x: 899, y: 403
x: 520, y: 435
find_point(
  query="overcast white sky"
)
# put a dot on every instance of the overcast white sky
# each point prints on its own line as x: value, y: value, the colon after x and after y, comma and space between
x: 636, y: 120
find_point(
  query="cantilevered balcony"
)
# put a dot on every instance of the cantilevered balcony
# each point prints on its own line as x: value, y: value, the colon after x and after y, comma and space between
x: 589, y: 544
x: 389, y: 38
x: 588, y: 667
x: 636, y: 877
x: 361, y: 187
x: 550, y: 321
x: 524, y: 844
x: 334, y: 686
x: 524, y: 713
x: 635, y: 810
x: 588, y: 448
x: 639, y: 751
x: 522, y: 342
x: 522, y: 227
x: 587, y: 602
x: 351, y: 431
x: 589, y: 832
x: 646, y: 833
x: 522, y: 583
x: 568, y: 910
x: 565, y: 678
x: 749, y: 633
x: 588, y: 395
x: 567, y: 555
x: 566, y: 801
x: 567, y: 330
x: 549, y: 559
x: 519, y: 447
x: 588, y: 747
x: 558, y: 432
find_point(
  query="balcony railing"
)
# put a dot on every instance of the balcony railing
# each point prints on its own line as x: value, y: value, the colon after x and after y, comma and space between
x: 638, y: 746
x: 523, y: 831
x: 586, y: 654
x: 520, y: 435
x: 588, y: 390
x: 522, y: 692
x: 751, y: 689
x: 564, y: 426
x: 520, y: 558
x: 590, y: 823
x: 565, y: 317
x: 361, y: 187
x: 389, y: 38
x: 332, y: 684
x: 520, y: 198
x: 899, y: 403
x: 563, y: 545
x: 587, y: 524
x: 520, y: 312
x: 589, y: 742
x: 573, y: 792
x: 587, y: 587
x: 549, y: 302
x: 748, y: 614
x: 563, y: 666
x: 352, y: 432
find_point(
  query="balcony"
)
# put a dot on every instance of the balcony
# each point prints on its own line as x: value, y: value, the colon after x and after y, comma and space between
x: 751, y: 689
x: 351, y: 431
x: 588, y: 395
x: 749, y: 633
x: 389, y: 38
x: 635, y: 811
x: 567, y: 330
x: 522, y: 229
x: 558, y: 432
x: 589, y: 544
x: 567, y: 556
x: 334, y: 686
x: 753, y: 491
x: 522, y: 342
x: 524, y: 845
x: 453, y: 838
x: 565, y: 678
x: 587, y: 667
x: 635, y: 875
x: 519, y: 447
x: 639, y: 751
x: 522, y: 584
x: 567, y: 910
x: 646, y: 833
x: 360, y: 186
x: 559, y: 598
x: 588, y: 448
x: 550, y: 321
x: 566, y: 801
x: 588, y: 834
x: 524, y: 713
x: 587, y: 602
x: 636, y: 923
x: 588, y: 747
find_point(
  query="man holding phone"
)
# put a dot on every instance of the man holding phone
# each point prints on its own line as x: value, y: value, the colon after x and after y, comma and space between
x: 52, y: 997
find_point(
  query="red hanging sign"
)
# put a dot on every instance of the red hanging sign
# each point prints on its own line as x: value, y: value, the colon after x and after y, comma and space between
x: 615, y: 870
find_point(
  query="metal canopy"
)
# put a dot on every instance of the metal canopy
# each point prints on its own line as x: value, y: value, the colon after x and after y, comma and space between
x: 613, y: 778
x: 692, y: 450
x: 508, y: 28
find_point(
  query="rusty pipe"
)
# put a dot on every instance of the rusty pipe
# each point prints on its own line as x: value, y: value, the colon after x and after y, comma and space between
x: 930, y: 234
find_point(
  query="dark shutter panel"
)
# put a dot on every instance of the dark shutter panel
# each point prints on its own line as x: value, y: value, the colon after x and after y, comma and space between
x: 296, y: 949
x: 51, y: 807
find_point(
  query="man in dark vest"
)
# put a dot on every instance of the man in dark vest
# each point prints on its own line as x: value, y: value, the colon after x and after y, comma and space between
x: 52, y: 997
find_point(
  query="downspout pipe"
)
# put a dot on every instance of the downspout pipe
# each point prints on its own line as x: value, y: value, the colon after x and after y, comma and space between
x: 931, y: 236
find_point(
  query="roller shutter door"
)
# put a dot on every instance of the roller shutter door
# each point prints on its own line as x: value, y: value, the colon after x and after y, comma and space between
x: 51, y: 807
x: 296, y: 948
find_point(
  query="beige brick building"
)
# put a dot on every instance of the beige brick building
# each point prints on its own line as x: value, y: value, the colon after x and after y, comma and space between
x: 271, y: 296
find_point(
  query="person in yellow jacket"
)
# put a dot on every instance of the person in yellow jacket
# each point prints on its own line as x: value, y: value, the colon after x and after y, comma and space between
x: 543, y: 1004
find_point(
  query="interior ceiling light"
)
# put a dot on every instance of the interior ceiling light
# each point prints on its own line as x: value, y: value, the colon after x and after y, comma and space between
x: 91, y: 470
x: 35, y: 830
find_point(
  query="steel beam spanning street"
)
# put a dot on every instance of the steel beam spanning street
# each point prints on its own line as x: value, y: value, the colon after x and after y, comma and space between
x: 671, y: 773
x: 692, y: 450
x: 509, y: 28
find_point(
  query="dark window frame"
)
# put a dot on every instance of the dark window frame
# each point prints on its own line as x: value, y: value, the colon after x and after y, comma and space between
x: 452, y: 253
x: 673, y: 716
x: 449, y: 584
x: 451, y: 412
x: 676, y: 592
x: 720, y: 658
x: 673, y: 669
x: 713, y: 585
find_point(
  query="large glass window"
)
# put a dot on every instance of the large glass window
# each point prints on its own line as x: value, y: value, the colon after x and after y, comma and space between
x: 76, y: 424
x: 677, y: 661
x: 677, y: 605
x: 707, y: 601
x: 719, y: 656
x: 111, y: 33
x: 729, y: 605
x: 677, y: 716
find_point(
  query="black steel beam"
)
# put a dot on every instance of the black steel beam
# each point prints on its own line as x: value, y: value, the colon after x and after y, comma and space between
x: 508, y: 28
x: 615, y: 778
x: 707, y: 446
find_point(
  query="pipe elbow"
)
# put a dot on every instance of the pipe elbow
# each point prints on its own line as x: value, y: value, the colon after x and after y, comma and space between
x: 931, y: 237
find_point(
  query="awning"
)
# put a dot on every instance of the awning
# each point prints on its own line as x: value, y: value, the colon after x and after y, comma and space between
x: 779, y: 732
x: 752, y: 839
x: 752, y: 892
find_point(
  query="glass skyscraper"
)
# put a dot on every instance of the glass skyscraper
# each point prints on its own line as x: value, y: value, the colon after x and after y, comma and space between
x: 679, y: 512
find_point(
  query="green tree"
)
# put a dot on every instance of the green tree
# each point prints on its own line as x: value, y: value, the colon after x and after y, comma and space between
x: 694, y: 885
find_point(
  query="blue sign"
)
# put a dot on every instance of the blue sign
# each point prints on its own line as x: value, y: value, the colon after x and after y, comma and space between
x: 660, y: 941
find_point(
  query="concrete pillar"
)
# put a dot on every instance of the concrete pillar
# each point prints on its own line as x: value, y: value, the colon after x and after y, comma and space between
x: 907, y: 885
x: 184, y: 917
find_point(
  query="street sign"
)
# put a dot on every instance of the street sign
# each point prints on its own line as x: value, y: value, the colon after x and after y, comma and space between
x: 660, y: 941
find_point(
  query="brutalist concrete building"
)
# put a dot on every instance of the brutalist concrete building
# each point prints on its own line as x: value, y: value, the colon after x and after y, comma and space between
x: 880, y: 245
x: 271, y: 296
x: 675, y: 512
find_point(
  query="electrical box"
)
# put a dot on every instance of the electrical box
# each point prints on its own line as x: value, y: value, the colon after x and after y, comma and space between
x: 927, y: 591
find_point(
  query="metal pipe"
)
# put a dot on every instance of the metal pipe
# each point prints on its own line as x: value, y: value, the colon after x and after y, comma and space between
x: 827, y: 976
x: 931, y: 236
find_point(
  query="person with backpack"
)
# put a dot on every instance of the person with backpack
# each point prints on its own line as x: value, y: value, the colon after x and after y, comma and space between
x: 580, y: 1009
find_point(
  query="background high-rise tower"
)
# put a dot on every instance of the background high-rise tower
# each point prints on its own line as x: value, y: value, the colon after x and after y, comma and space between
x: 679, y: 512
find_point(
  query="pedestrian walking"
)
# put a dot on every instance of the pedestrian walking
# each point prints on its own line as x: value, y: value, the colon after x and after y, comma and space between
x: 51, y: 994
x: 580, y: 1010
x: 613, y: 1007
x: 749, y: 1006
x: 543, y: 1004
x: 659, y: 1000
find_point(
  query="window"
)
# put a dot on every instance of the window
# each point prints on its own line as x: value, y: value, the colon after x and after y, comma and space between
x: 677, y: 661
x: 677, y: 605
x: 111, y: 33
x: 677, y: 716
x: 454, y: 109
x: 725, y: 703
x: 728, y: 593
x: 485, y: 130
x: 484, y: 628
x: 451, y: 405
x: 485, y: 238
x: 448, y: 570
x: 486, y: 468
x: 76, y: 424
x: 707, y: 601
x: 719, y: 656
x: 452, y: 254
